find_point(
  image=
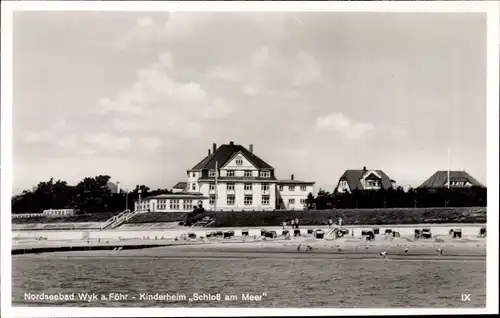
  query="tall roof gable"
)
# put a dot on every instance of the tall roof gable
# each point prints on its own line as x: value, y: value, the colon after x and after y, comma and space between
x: 225, y: 153
x: 353, y: 178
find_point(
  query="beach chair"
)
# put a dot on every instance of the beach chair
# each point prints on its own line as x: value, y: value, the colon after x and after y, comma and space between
x: 310, y: 231
x: 244, y: 232
x: 263, y: 232
x: 426, y: 233
x: 417, y: 234
x: 319, y: 234
x: 363, y: 233
x: 457, y: 233
x: 388, y: 232
x: 271, y: 234
x: 482, y: 232
x: 376, y: 231
x: 296, y: 232
x: 285, y: 232
x: 395, y: 234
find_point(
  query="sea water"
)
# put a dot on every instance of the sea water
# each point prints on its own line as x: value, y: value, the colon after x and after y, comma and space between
x: 246, y: 282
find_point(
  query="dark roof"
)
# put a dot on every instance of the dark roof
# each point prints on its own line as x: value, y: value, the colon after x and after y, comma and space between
x: 225, y: 153
x: 236, y: 179
x: 180, y: 185
x: 188, y: 195
x: 295, y: 182
x: 353, y: 178
x: 440, y: 178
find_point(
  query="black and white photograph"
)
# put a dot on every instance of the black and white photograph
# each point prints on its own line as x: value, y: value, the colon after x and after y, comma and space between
x: 249, y: 156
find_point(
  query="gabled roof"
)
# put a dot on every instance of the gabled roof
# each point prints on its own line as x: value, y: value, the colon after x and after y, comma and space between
x: 180, y: 185
x: 225, y: 153
x: 353, y: 178
x: 440, y: 178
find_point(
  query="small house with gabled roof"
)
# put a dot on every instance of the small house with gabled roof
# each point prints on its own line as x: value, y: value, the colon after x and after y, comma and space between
x: 457, y: 179
x: 364, y: 179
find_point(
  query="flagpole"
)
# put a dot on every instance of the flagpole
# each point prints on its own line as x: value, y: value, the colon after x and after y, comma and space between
x: 449, y: 164
x: 216, y: 173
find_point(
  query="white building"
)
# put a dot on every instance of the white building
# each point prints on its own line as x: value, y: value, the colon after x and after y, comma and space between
x: 364, y: 179
x: 232, y: 178
x: 293, y: 193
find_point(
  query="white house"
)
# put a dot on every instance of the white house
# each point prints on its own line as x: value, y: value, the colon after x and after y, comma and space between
x: 293, y: 193
x: 364, y: 179
x: 231, y: 178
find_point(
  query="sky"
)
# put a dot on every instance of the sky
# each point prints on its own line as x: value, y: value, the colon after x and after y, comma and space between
x: 142, y: 96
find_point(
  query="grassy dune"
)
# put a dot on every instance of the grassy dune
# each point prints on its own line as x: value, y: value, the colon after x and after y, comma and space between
x: 349, y: 216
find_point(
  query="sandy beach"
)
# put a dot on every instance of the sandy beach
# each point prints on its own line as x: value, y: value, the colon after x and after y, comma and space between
x: 309, y: 247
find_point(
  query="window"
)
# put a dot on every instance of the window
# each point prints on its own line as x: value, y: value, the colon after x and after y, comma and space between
x: 212, y: 187
x: 248, y: 200
x: 230, y: 200
x: 212, y: 200
x: 265, y: 187
x: 265, y: 200
x: 303, y: 188
x: 230, y: 186
x: 372, y: 183
x: 230, y: 173
x: 162, y: 204
x: 248, y: 186
x: 291, y: 201
x: 211, y: 173
x: 281, y: 188
x: 248, y: 173
x: 194, y: 174
x: 193, y: 186
x: 174, y: 204
x: 265, y: 173
x: 239, y: 161
x: 291, y: 188
x: 188, y: 204
x: 302, y: 201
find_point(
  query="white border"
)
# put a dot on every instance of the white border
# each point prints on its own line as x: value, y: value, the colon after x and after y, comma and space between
x: 492, y: 8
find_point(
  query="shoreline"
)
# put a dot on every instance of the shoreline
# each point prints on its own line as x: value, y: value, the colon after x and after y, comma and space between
x: 352, y: 247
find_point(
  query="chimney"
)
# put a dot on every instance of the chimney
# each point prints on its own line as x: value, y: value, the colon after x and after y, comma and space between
x: 291, y: 177
x: 214, y: 147
x: 231, y: 143
x: 209, y: 153
x: 364, y: 168
x: 118, y: 187
x: 250, y: 148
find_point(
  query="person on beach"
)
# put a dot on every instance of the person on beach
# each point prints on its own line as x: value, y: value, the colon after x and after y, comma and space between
x: 296, y: 223
x: 292, y: 224
x: 330, y: 222
x: 284, y: 225
x: 298, y: 248
x: 383, y: 254
x: 440, y: 251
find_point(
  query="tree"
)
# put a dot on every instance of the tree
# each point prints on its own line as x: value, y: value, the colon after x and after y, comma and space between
x: 310, y: 201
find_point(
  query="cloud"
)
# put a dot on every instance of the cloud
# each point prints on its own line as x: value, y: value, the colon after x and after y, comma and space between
x: 344, y: 125
x: 108, y: 142
x: 31, y: 136
x: 158, y: 101
x: 354, y: 130
x: 307, y: 70
x: 151, y: 143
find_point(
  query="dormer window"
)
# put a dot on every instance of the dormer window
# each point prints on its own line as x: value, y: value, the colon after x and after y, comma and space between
x: 372, y: 183
x: 211, y: 173
x: 239, y: 161
x: 265, y: 173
